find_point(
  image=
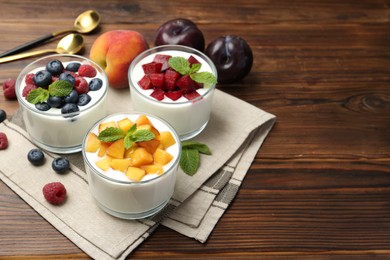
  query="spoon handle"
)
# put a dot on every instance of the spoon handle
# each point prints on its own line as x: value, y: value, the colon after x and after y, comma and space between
x: 24, y: 55
x: 28, y: 45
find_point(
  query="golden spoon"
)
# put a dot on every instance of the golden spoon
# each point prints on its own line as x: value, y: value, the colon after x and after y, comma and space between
x: 84, y: 23
x: 70, y: 44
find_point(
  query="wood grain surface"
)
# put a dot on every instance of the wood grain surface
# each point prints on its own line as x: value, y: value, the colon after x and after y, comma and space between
x: 320, y: 185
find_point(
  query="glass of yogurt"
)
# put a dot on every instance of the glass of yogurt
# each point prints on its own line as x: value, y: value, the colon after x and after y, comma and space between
x: 46, y: 124
x: 126, y: 185
x: 189, y: 116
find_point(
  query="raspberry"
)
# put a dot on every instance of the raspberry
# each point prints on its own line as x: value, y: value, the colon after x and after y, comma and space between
x: 86, y: 70
x: 27, y: 89
x: 3, y: 141
x: 81, y: 85
x: 9, y: 88
x: 54, y: 193
x: 29, y: 78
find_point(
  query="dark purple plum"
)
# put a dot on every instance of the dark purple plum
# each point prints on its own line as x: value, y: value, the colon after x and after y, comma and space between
x: 180, y: 31
x: 232, y: 56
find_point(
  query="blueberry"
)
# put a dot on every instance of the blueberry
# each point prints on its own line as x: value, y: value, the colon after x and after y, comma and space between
x: 42, y: 78
x: 83, y: 99
x: 72, y: 97
x: 3, y: 115
x: 69, y: 108
x: 42, y: 106
x: 55, y: 67
x: 68, y: 77
x: 36, y: 157
x: 60, y: 165
x: 74, y: 66
x: 95, y: 84
x: 55, y: 101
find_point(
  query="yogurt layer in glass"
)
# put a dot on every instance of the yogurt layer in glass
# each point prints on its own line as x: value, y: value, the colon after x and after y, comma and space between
x: 114, y: 190
x: 188, y: 117
x: 51, y: 130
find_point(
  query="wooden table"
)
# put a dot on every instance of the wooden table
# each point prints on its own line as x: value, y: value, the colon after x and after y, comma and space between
x: 320, y: 184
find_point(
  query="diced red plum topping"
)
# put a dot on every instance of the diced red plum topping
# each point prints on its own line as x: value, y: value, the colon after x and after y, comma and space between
x: 152, y: 67
x: 158, y: 94
x: 186, y: 84
x: 145, y: 82
x: 192, y: 60
x: 170, y: 79
x: 157, y: 79
x: 163, y: 59
x: 191, y: 95
x: 174, y: 95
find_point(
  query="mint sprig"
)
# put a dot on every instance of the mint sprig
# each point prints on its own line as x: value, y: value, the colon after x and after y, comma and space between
x: 112, y: 134
x: 38, y: 95
x: 190, y: 156
x: 183, y: 66
x: 60, y: 88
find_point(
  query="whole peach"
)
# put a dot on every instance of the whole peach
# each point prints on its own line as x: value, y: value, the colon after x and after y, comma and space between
x: 114, y: 51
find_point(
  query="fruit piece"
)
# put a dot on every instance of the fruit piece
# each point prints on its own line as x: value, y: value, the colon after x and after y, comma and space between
x: 141, y: 157
x: 104, y: 164
x: 3, y: 115
x: 36, y: 157
x: 125, y: 124
x: 106, y: 125
x: 81, y: 85
x: 95, y: 84
x: 27, y: 89
x: 68, y: 76
x: 29, y: 79
x: 84, y: 99
x: 135, y: 173
x: 153, y: 169
x: 181, y: 32
x: 116, y: 149
x: 60, y: 165
x: 55, y: 101
x: 114, y: 51
x: 72, y: 97
x: 143, y: 120
x: 191, y: 95
x: 170, y: 78
x: 9, y: 89
x: 54, y: 193
x: 129, y: 151
x: 167, y: 139
x: 42, y: 106
x: 152, y: 67
x: 158, y: 94
x: 186, y: 84
x: 163, y: 59
x: 192, y: 60
x: 86, y: 70
x: 73, y: 66
x: 120, y: 164
x: 42, y: 78
x: 92, y: 143
x: 174, y: 95
x: 3, y: 141
x: 55, y: 67
x: 157, y: 79
x: 162, y: 157
x: 150, y: 145
x: 69, y: 108
x: 151, y: 129
x: 145, y: 82
x: 232, y: 56
x: 103, y: 148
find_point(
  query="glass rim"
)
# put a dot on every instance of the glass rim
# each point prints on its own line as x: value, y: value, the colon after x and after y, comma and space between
x: 169, y: 47
x: 23, y: 101
x: 129, y: 182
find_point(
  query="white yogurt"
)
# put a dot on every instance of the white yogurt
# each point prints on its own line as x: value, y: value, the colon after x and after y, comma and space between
x: 188, y: 117
x: 123, y: 198
x: 50, y: 129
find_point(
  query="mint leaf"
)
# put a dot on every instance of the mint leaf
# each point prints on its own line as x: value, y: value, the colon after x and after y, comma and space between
x: 111, y: 134
x: 132, y: 129
x: 143, y: 135
x: 206, y: 78
x: 202, y: 148
x: 180, y: 64
x: 38, y: 95
x: 128, y: 141
x: 195, y: 68
x: 189, y: 161
x: 60, y: 88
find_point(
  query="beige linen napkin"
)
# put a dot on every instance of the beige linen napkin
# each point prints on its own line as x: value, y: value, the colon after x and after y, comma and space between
x: 235, y: 133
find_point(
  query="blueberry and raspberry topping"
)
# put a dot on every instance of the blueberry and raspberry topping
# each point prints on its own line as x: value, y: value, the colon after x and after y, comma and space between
x: 175, y: 77
x: 60, y: 165
x: 36, y: 157
x: 60, y: 87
